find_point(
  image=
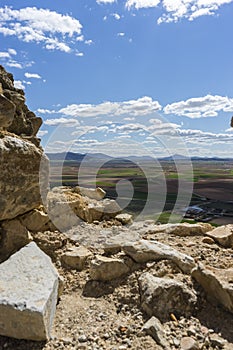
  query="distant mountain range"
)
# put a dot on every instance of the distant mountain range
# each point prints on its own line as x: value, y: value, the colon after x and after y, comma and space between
x: 79, y: 157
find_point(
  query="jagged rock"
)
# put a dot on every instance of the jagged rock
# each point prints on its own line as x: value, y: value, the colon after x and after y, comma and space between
x: 125, y: 218
x: 93, y: 193
x: 76, y: 258
x: 218, y: 284
x: 162, y: 296
x: 223, y: 235
x: 154, y: 328
x: 23, y: 177
x: 65, y: 207
x: 13, y: 236
x: 35, y: 220
x: 106, y: 269
x: 188, y: 343
x: 144, y: 251
x: 114, y: 244
x: 6, y: 79
x: 7, y: 111
x: 28, y: 294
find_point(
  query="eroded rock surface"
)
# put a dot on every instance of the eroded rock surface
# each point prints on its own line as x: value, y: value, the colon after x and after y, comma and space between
x: 162, y: 296
x: 144, y: 251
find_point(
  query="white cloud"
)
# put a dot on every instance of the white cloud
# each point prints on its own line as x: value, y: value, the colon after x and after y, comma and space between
x: 79, y: 54
x: 178, y: 9
x: 42, y: 133
x: 80, y: 38
x: 45, y: 111
x: 19, y: 85
x: 105, y: 1
x: 88, y: 42
x: 4, y: 54
x: 140, y: 107
x: 12, y: 52
x: 62, y: 121
x: 31, y: 24
x: 207, y: 106
x: 32, y: 75
x: 138, y: 4
x: 116, y: 16
x: 121, y: 34
x: 14, y: 64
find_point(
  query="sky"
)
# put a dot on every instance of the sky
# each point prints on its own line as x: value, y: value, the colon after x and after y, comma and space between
x: 124, y: 77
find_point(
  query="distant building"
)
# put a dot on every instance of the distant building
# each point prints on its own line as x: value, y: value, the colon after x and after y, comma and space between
x: 193, y: 211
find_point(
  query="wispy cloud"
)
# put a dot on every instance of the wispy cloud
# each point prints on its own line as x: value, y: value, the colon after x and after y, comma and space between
x: 105, y: 1
x: 55, y: 31
x: 207, y: 106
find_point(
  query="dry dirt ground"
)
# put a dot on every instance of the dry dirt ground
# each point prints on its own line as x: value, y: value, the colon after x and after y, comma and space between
x: 95, y: 315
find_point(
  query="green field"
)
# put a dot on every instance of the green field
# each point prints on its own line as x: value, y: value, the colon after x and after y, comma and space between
x: 211, y: 179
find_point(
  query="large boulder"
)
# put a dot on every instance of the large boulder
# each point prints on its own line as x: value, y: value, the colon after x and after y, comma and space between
x: 28, y: 294
x: 23, y: 176
x: 162, y: 296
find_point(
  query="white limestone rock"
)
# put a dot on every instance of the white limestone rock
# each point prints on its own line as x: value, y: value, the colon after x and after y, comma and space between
x: 28, y: 294
x: 76, y: 258
x: 222, y: 235
x: 107, y: 269
x: 144, y: 251
x: 218, y: 284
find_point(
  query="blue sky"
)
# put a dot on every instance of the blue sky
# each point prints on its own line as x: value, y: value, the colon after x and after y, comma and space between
x: 126, y: 77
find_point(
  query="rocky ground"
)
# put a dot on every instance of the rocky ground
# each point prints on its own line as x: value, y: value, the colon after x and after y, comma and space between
x: 107, y: 307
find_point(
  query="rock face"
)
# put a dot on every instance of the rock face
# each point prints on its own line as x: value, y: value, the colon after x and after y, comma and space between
x: 28, y: 294
x: 218, y: 284
x: 20, y: 176
x: 23, y: 165
x: 144, y: 251
x: 162, y: 296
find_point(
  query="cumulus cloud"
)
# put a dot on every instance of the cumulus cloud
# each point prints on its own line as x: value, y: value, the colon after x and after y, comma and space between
x: 62, y: 121
x: 138, y: 4
x: 8, y: 60
x: 142, y: 106
x: 55, y: 31
x: 207, y: 106
x: 32, y: 75
x: 19, y: 85
x: 174, y: 10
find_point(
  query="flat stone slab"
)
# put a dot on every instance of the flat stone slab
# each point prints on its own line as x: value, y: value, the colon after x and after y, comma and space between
x: 28, y: 294
x: 144, y: 251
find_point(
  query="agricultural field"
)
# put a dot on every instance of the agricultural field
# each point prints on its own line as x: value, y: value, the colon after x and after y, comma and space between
x: 138, y: 182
